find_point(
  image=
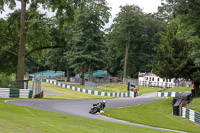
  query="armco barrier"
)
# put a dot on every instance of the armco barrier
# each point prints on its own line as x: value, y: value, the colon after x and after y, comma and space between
x: 86, y: 90
x: 167, y: 94
x: 15, y: 93
x: 191, y: 115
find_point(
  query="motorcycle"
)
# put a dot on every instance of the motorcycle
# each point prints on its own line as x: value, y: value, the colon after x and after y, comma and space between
x: 96, y: 108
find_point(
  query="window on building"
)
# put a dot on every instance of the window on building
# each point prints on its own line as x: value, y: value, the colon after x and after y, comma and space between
x: 170, y: 80
x: 146, y: 78
x: 163, y: 80
x: 158, y: 79
x: 152, y: 79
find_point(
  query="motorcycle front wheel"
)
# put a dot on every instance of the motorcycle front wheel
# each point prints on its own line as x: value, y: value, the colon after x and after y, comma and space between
x: 94, y: 111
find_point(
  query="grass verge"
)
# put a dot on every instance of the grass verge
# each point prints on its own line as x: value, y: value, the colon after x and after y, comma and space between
x: 113, y: 87
x: 158, y: 114
x: 194, y: 105
x: 178, y: 89
x: 18, y: 119
x: 121, y: 88
x: 67, y: 93
x: 143, y: 90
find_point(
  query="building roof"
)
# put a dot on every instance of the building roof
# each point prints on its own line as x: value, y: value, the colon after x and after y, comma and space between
x: 146, y: 74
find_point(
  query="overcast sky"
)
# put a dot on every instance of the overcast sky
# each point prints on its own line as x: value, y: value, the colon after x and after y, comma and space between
x: 148, y: 6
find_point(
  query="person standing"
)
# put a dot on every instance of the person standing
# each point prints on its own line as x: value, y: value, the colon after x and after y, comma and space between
x: 135, y: 91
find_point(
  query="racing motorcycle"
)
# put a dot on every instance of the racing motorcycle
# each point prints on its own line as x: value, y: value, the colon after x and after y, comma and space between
x: 97, y: 108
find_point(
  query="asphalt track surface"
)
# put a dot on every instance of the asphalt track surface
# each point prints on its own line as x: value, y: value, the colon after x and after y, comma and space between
x: 82, y: 107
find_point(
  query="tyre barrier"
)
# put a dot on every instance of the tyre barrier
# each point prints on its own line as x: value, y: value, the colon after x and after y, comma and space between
x: 111, y: 94
x: 15, y: 93
x: 191, y: 115
x: 167, y: 94
x: 180, y: 101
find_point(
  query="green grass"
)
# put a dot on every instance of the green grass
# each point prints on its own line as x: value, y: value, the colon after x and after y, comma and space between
x: 158, y: 114
x: 108, y: 87
x: 178, y: 89
x: 67, y: 93
x: 112, y: 88
x: 121, y: 88
x: 18, y: 119
x: 143, y: 90
x: 195, y: 104
x: 79, y: 86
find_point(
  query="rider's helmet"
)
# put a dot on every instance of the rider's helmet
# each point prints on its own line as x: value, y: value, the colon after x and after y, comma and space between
x: 103, y: 102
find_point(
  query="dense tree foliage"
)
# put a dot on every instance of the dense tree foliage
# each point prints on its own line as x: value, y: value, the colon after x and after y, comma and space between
x: 172, y: 60
x: 178, y: 56
x: 88, y: 49
x: 28, y: 29
x: 132, y: 41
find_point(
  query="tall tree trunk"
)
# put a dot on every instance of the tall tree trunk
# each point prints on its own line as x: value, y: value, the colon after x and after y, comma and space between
x: 90, y: 73
x: 68, y: 78
x: 21, y: 50
x: 82, y: 76
x: 126, y: 54
x: 196, y: 89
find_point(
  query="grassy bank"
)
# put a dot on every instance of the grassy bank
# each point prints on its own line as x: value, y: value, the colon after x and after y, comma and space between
x: 67, y: 93
x: 121, y: 88
x: 178, y: 89
x: 18, y: 119
x: 113, y: 87
x: 195, y: 104
x: 143, y: 90
x: 158, y: 114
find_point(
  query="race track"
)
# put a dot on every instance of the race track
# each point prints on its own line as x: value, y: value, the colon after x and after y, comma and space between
x: 82, y: 107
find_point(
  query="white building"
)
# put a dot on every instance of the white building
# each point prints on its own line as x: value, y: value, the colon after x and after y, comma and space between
x: 152, y: 80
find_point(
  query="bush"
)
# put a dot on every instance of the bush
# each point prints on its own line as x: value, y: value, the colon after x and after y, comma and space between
x: 5, y: 81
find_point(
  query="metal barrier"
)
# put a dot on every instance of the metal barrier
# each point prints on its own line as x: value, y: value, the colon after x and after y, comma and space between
x: 36, y: 87
x: 131, y: 81
x: 165, y: 84
x: 90, y: 85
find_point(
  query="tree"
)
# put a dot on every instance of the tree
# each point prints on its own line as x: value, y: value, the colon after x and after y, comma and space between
x: 187, y: 15
x: 34, y: 64
x: 133, y: 52
x: 57, y: 60
x: 64, y: 13
x: 172, y: 60
x: 124, y: 30
x: 88, y: 48
x: 148, y: 39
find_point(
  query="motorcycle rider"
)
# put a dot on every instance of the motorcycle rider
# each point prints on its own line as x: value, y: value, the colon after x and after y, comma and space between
x: 102, y: 104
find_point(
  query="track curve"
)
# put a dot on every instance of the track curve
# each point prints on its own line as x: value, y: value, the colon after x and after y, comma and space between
x: 81, y: 107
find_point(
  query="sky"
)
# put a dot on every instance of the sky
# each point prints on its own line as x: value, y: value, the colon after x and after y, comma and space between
x: 148, y: 6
